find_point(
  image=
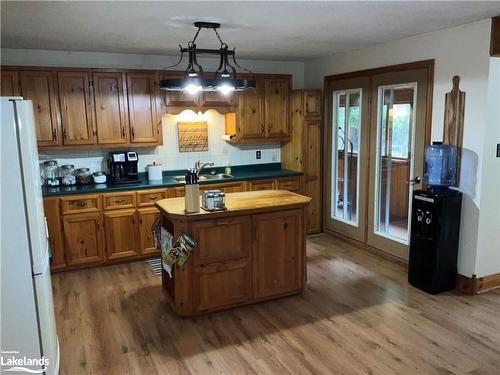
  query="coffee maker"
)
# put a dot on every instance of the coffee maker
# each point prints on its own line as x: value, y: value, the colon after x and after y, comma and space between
x: 123, y: 167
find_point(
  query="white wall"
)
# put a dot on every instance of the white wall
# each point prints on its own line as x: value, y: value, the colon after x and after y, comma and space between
x: 488, y: 244
x: 132, y: 61
x: 462, y: 51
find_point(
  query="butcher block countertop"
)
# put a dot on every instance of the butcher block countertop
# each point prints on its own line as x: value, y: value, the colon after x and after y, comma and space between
x: 239, y: 203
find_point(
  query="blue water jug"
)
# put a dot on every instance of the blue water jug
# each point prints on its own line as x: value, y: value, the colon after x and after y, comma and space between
x: 440, y: 165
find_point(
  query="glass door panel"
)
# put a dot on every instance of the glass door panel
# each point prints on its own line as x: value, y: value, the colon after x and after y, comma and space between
x: 394, y: 163
x: 346, y: 140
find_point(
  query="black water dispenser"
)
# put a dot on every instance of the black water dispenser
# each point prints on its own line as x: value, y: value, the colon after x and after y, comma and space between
x: 435, y: 224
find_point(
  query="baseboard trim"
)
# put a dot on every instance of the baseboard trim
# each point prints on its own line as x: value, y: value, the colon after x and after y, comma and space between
x: 477, y: 285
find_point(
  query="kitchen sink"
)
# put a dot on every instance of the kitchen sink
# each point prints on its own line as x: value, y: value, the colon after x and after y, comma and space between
x: 218, y: 176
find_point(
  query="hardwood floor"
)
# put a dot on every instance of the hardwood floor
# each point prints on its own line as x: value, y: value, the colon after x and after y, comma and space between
x: 357, y: 315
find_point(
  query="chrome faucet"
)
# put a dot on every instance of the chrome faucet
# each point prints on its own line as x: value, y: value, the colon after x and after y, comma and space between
x: 199, y: 166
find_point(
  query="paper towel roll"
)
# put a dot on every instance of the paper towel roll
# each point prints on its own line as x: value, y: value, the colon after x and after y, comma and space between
x: 154, y: 172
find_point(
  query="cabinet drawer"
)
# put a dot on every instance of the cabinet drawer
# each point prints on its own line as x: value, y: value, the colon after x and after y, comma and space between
x: 290, y: 184
x: 149, y: 197
x: 261, y: 185
x: 222, y: 284
x: 80, y: 203
x: 112, y: 201
x: 221, y: 239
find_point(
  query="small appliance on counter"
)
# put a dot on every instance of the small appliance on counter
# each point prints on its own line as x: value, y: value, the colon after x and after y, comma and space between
x: 435, y: 224
x: 213, y: 200
x: 154, y: 172
x: 123, y: 167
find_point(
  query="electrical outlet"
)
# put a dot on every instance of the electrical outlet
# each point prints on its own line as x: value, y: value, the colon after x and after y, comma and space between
x: 258, y: 154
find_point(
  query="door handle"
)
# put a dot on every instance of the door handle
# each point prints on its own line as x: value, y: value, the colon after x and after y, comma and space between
x: 415, y: 180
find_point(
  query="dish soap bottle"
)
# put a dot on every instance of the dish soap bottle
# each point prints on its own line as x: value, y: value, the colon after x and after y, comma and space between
x: 227, y: 170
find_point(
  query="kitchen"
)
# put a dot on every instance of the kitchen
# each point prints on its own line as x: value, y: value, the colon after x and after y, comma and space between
x: 188, y: 216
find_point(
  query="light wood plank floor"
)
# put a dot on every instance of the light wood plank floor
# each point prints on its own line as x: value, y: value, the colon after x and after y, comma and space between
x: 357, y: 315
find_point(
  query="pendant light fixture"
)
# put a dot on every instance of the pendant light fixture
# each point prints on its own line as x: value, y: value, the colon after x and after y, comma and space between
x: 195, y: 80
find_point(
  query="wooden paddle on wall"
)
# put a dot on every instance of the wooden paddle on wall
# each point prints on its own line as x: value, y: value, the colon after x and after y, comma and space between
x: 453, y: 129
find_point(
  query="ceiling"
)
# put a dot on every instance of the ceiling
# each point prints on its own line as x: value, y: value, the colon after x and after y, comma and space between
x: 260, y: 30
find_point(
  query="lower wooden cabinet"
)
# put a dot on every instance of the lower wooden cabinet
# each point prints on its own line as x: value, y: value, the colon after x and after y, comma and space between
x: 222, y: 284
x: 280, y: 270
x: 147, y: 217
x: 53, y: 215
x: 83, y: 238
x: 121, y: 234
x: 91, y: 229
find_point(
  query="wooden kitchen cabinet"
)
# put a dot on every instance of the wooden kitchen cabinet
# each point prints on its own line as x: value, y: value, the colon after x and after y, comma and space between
x: 121, y: 234
x: 10, y: 83
x: 221, y: 284
x: 77, y: 109
x: 254, y: 185
x: 110, y: 107
x: 222, y: 239
x: 54, y: 226
x: 144, y: 122
x: 250, y: 122
x: 276, y: 108
x: 40, y: 87
x: 83, y: 238
x: 280, y: 270
x: 303, y: 152
x: 147, y: 216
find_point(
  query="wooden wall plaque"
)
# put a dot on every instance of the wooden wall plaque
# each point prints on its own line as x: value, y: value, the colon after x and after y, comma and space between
x: 193, y: 136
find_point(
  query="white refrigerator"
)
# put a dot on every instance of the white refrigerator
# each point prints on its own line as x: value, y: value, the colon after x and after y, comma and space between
x: 29, y: 341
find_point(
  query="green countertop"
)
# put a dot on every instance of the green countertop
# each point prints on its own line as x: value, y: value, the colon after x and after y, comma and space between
x: 239, y: 173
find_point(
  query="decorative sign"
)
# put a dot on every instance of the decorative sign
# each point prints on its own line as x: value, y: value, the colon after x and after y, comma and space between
x: 193, y: 136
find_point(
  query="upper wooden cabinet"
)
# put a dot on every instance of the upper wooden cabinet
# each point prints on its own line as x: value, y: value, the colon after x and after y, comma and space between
x: 40, y: 88
x: 276, y: 108
x: 111, y: 113
x: 10, y: 83
x: 144, y: 126
x: 262, y: 114
x: 75, y: 99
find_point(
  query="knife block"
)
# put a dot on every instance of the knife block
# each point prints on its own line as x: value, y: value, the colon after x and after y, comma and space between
x: 192, y: 198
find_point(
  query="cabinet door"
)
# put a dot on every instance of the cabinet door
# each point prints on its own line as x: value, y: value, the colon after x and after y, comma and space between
x: 222, y: 284
x: 221, y: 239
x: 77, y: 109
x: 276, y: 108
x: 147, y: 216
x: 277, y: 253
x: 142, y: 108
x: 54, y: 224
x: 312, y: 174
x: 83, y: 238
x: 10, y: 83
x: 217, y: 100
x: 261, y: 185
x: 39, y: 86
x: 121, y: 234
x: 250, y: 119
x: 312, y: 103
x: 289, y: 183
x: 111, y: 114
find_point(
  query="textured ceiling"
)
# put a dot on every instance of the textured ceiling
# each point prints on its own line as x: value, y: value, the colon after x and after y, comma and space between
x: 264, y: 30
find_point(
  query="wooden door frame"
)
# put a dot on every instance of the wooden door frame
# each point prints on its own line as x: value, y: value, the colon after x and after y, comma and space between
x: 423, y: 64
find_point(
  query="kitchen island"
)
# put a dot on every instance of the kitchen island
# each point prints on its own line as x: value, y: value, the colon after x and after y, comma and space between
x: 253, y: 251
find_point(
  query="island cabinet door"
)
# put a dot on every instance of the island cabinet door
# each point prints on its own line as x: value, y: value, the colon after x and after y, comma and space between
x: 222, y: 284
x: 278, y: 248
x: 121, y: 234
x: 221, y: 239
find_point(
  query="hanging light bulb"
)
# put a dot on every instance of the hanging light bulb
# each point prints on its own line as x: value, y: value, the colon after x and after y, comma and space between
x: 192, y: 89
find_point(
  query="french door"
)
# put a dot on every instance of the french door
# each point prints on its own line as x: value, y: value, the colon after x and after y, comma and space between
x: 376, y: 134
